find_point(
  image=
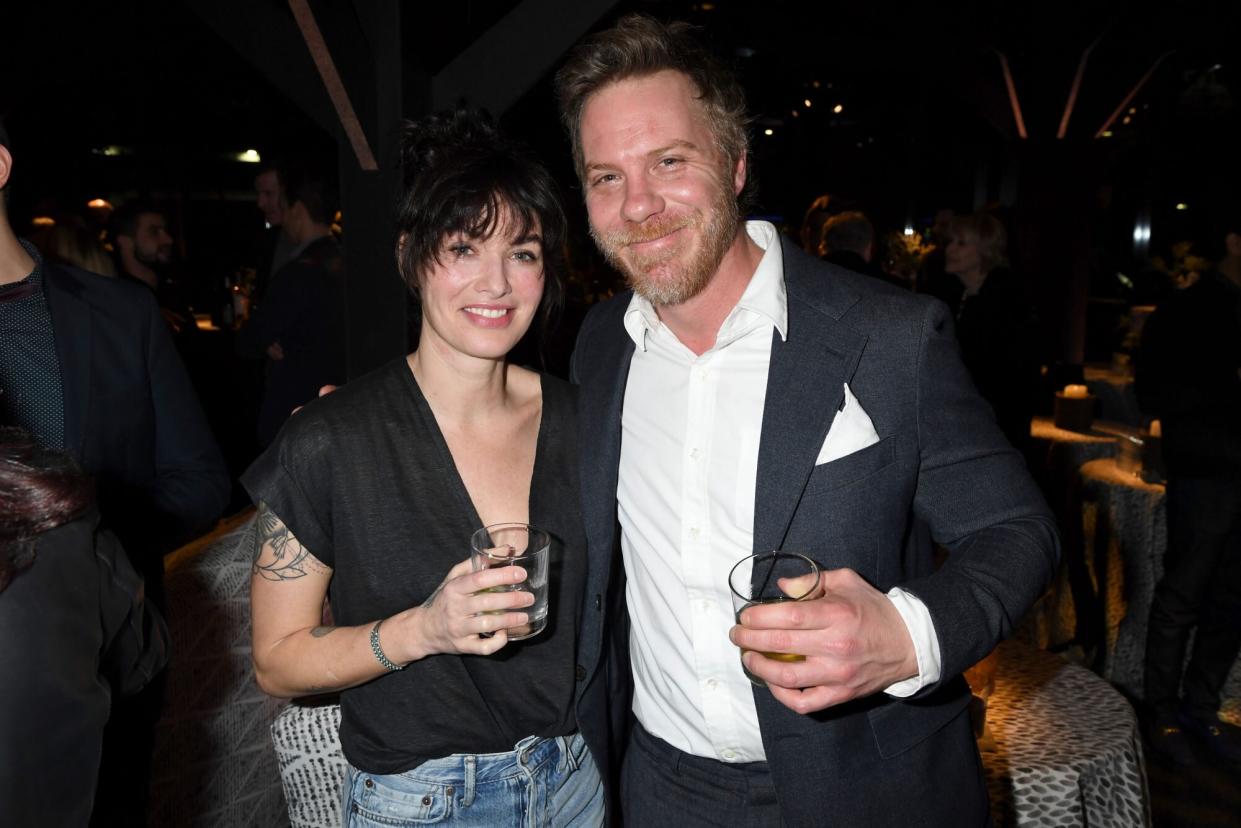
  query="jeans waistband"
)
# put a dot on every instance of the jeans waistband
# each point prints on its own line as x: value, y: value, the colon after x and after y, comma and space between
x: 469, y: 769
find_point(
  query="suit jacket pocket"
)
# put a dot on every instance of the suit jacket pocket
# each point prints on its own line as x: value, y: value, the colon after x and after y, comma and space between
x: 901, y: 724
x: 851, y: 468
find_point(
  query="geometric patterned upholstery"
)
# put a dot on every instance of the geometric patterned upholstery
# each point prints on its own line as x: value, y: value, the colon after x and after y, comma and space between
x: 213, y: 761
x: 312, y: 767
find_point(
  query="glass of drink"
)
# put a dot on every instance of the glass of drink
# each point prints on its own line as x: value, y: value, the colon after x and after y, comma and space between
x: 516, y: 544
x: 757, y: 579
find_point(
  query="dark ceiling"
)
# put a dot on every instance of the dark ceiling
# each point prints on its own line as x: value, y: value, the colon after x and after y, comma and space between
x: 923, y: 97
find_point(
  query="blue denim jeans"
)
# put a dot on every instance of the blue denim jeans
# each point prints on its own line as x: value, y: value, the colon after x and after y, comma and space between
x: 542, y: 782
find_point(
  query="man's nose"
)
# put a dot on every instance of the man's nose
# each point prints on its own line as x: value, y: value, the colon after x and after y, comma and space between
x: 641, y: 200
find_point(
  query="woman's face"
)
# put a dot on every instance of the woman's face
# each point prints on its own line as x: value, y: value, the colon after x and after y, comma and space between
x: 479, y: 299
x: 961, y: 255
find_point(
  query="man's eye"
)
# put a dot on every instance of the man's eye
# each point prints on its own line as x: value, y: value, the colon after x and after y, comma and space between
x: 669, y: 162
x: 606, y: 178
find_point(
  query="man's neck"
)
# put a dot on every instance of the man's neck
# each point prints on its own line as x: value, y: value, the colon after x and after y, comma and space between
x: 15, y: 263
x: 696, y: 322
x: 140, y: 271
x: 311, y: 233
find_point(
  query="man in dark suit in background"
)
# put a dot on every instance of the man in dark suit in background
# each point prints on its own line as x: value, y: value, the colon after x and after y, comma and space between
x: 745, y: 397
x: 88, y: 367
x: 300, y: 326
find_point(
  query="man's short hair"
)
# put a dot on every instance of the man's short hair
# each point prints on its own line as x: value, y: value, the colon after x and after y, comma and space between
x: 304, y: 182
x: 640, y: 46
x: 124, y: 219
x: 850, y: 231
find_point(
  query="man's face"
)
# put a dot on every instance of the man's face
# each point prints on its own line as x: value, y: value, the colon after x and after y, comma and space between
x: 661, y: 197
x: 271, y: 199
x: 152, y: 242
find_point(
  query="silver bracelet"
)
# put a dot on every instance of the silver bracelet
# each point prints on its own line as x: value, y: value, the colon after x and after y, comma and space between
x: 379, y: 653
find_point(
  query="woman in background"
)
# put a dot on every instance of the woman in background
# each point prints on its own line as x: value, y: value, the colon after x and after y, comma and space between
x: 73, y: 629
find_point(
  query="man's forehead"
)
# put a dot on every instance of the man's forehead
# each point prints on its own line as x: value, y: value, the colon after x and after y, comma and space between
x: 662, y: 108
x: 152, y: 221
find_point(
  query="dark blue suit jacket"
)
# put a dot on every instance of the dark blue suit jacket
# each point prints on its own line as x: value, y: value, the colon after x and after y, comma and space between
x: 132, y: 419
x: 940, y: 459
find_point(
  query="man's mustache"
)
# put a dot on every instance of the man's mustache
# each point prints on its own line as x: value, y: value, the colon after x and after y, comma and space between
x: 649, y: 230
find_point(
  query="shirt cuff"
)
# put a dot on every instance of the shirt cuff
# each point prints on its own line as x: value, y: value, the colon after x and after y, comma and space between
x: 917, y: 620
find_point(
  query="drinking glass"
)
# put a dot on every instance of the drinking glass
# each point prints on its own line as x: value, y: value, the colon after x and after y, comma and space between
x: 756, y: 580
x: 516, y: 544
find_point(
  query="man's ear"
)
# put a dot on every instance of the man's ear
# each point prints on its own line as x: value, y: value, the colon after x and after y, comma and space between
x: 739, y: 173
x: 6, y: 166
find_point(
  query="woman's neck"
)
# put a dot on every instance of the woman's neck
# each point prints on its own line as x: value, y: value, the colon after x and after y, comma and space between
x: 459, y: 387
x: 972, y: 280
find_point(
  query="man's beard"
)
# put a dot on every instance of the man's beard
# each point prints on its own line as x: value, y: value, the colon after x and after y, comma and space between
x: 663, y: 278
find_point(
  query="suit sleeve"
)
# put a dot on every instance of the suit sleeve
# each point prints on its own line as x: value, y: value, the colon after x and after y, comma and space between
x: 191, y: 485
x: 978, y: 498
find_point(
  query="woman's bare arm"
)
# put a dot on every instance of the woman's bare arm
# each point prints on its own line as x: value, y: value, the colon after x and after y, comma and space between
x: 295, y: 655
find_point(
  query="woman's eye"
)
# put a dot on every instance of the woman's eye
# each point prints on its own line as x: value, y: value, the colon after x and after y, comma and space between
x: 459, y: 250
x: 526, y: 256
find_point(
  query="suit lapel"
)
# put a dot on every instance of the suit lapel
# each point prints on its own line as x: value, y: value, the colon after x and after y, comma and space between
x: 71, y: 328
x: 805, y: 389
x: 601, y: 400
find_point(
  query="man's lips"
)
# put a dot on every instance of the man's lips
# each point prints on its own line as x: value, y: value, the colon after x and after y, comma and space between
x: 643, y: 245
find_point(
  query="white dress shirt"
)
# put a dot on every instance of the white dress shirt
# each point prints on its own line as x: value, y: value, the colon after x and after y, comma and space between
x: 689, y: 458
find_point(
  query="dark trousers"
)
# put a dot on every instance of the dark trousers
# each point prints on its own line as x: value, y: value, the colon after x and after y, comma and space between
x: 1201, y: 588
x: 661, y: 785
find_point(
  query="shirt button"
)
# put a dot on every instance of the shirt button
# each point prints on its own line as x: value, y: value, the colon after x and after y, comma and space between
x: 712, y: 684
x: 729, y: 754
x: 693, y: 454
x: 693, y: 532
x: 579, y: 672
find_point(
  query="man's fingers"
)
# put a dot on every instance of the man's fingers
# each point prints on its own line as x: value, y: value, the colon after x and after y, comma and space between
x: 802, y: 586
x: 500, y: 601
x: 327, y: 389
x: 496, y: 576
x: 810, y: 699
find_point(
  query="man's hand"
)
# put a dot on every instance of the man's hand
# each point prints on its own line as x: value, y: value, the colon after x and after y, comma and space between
x: 275, y: 352
x: 854, y: 640
x: 323, y: 392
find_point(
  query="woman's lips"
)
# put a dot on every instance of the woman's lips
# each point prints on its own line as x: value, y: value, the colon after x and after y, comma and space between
x: 485, y: 316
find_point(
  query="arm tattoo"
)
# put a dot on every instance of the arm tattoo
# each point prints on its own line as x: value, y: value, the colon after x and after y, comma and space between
x: 319, y: 632
x: 290, y: 559
x: 431, y: 598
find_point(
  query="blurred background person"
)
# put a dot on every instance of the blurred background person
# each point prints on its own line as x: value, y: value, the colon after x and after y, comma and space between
x: 272, y: 202
x: 995, y: 324
x: 144, y: 249
x: 300, y: 327
x: 1189, y: 376
x: 72, y: 242
x: 74, y: 630
x: 848, y: 240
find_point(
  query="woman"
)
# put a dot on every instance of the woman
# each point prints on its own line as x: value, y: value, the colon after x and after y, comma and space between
x: 373, y: 493
x: 995, y: 325
x: 73, y: 629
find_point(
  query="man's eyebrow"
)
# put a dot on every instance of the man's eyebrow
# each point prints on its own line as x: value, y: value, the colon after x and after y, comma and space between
x: 677, y: 144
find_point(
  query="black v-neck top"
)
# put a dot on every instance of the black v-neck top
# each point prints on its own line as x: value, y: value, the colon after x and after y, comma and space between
x: 364, y: 479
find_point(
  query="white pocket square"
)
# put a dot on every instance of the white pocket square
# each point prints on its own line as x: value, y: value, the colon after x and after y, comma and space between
x: 851, y: 431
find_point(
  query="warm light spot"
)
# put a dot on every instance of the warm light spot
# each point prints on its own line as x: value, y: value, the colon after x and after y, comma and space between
x: 795, y: 113
x: 1126, y: 120
x: 807, y: 103
x: 1180, y: 205
x: 1107, y: 133
x: 769, y: 132
x: 1133, y: 110
x: 838, y: 108
x: 909, y: 229
x: 43, y: 221
x: 815, y: 84
x: 99, y: 204
x: 249, y: 157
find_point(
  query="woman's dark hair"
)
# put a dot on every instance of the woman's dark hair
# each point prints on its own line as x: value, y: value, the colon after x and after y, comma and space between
x: 462, y: 176
x: 39, y: 490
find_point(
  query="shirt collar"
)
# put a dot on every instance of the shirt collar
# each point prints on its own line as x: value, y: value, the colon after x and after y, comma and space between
x: 764, y: 296
x: 33, y: 283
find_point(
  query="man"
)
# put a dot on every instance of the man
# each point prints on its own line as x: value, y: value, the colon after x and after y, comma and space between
x: 708, y: 392
x: 87, y: 366
x: 272, y: 203
x: 144, y: 247
x: 849, y: 241
x: 300, y: 327
x: 1189, y: 375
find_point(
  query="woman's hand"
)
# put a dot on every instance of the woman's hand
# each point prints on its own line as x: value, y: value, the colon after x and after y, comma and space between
x: 462, y: 609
